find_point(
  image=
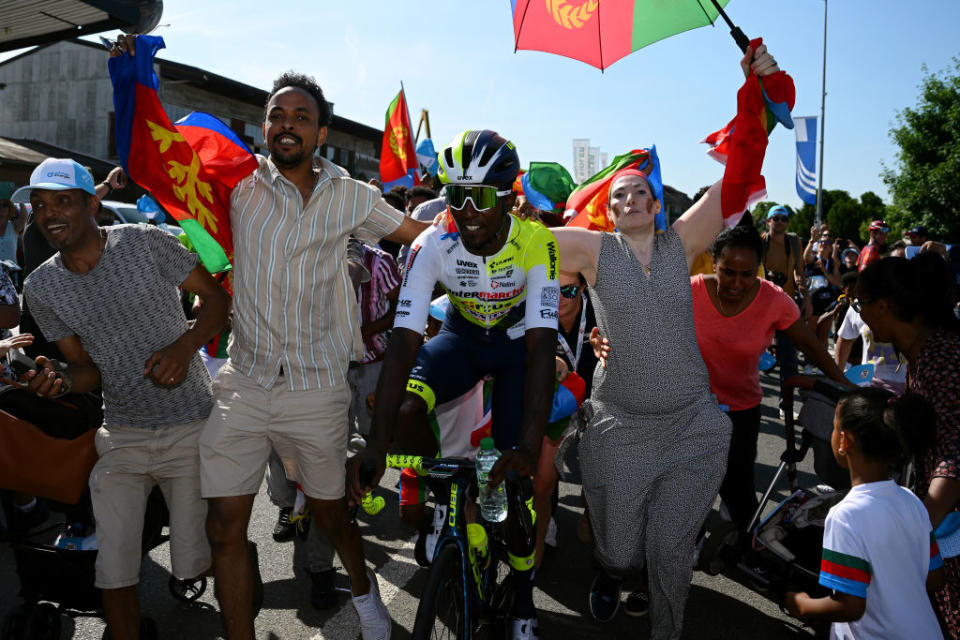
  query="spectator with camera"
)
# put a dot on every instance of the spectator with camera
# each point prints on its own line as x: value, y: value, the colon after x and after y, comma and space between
x: 824, y: 283
x: 783, y: 265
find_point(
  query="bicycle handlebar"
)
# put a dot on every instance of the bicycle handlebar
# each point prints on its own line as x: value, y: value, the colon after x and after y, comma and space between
x: 423, y: 463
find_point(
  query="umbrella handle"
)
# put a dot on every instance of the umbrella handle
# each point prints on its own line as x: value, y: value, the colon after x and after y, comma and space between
x: 742, y: 40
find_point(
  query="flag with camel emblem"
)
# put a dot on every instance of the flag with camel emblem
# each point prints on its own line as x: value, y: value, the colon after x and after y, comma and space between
x: 190, y: 167
x: 600, y: 32
x: 398, y: 158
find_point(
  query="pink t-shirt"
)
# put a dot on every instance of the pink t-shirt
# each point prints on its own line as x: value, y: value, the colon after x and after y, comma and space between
x: 731, y: 347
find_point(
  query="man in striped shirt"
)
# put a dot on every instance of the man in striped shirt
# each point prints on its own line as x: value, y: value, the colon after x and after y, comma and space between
x: 295, y: 332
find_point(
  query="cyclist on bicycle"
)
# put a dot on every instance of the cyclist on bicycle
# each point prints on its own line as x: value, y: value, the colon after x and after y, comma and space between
x: 500, y: 274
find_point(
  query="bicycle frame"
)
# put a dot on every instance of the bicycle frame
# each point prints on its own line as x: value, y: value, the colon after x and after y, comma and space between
x: 460, y: 474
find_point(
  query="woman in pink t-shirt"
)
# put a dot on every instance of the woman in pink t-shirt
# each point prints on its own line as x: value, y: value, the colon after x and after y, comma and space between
x: 735, y: 314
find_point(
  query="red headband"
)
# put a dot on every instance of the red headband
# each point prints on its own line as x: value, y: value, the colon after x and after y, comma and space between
x: 626, y: 172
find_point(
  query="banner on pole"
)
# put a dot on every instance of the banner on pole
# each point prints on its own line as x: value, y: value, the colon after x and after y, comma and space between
x: 807, y: 159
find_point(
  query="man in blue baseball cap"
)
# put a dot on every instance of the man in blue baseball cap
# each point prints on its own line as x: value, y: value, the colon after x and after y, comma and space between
x: 783, y: 265
x: 109, y: 300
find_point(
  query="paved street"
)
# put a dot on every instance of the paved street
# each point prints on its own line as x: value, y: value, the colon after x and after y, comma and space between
x: 718, y: 608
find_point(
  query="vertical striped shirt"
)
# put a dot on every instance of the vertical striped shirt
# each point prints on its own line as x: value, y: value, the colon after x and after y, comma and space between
x: 294, y: 306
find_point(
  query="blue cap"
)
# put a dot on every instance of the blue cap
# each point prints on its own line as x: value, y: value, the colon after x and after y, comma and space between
x: 56, y: 174
x: 778, y: 210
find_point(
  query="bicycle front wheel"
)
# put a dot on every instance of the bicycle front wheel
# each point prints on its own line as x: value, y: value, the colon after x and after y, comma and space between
x: 442, y: 614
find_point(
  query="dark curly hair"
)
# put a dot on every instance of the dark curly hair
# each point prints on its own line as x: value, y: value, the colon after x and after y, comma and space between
x: 742, y: 236
x: 921, y: 287
x: 885, y: 427
x: 308, y: 84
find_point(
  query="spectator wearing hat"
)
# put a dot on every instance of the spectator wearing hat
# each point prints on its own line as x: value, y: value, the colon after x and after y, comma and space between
x: 783, y: 266
x: 848, y: 260
x: 876, y: 248
x: 917, y: 235
x: 109, y: 299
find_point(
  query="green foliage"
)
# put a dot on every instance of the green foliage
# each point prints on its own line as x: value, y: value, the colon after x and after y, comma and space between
x: 925, y: 179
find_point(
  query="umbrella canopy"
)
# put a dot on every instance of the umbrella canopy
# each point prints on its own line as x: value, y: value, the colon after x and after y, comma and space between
x: 600, y: 32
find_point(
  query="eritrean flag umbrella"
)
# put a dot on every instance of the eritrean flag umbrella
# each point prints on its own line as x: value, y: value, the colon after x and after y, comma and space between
x: 600, y: 32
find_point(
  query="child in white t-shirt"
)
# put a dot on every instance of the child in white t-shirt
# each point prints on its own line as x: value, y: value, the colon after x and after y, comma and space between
x: 879, y: 554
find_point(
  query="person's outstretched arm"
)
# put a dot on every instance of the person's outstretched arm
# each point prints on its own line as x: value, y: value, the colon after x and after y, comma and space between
x: 699, y: 225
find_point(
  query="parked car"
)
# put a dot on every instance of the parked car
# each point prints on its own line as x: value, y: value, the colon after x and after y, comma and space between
x: 114, y: 212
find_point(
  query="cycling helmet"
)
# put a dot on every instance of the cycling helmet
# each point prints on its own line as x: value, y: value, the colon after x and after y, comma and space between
x: 479, y: 157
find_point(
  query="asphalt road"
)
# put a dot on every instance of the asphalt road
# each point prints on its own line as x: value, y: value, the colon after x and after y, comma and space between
x: 720, y: 607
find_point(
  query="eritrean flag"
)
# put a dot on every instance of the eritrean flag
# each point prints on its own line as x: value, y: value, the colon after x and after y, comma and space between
x: 189, y: 167
x: 587, y: 205
x: 398, y: 158
x: 742, y: 144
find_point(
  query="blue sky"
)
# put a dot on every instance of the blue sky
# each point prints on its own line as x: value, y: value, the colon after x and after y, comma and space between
x: 456, y: 59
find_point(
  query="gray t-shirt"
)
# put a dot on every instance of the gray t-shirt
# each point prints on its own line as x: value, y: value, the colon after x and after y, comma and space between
x: 123, y: 310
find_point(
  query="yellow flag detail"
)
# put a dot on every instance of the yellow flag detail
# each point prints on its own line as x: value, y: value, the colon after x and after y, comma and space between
x: 572, y: 16
x: 188, y: 187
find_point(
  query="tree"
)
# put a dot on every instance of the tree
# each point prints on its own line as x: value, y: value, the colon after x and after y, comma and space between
x: 924, y: 181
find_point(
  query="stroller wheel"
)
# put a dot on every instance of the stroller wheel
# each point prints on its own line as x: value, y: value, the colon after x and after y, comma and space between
x: 43, y: 623
x: 719, y: 549
x: 14, y: 625
x: 187, y: 590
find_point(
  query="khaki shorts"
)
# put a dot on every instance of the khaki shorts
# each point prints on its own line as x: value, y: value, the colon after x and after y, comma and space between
x: 133, y: 460
x: 308, y: 430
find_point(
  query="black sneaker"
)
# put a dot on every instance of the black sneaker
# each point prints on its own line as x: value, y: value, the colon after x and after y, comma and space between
x: 604, y: 599
x: 323, y: 594
x: 637, y: 604
x: 284, y: 530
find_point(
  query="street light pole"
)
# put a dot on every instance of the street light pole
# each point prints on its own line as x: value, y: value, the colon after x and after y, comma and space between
x: 823, y: 100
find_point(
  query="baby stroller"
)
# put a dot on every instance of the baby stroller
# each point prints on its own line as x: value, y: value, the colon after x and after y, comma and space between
x: 48, y: 452
x: 785, y: 545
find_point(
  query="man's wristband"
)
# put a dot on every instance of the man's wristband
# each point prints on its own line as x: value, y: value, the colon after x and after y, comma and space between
x: 107, y: 185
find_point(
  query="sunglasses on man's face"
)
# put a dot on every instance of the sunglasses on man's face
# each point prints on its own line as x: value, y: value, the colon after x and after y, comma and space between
x: 482, y: 196
x: 569, y: 291
x: 779, y: 218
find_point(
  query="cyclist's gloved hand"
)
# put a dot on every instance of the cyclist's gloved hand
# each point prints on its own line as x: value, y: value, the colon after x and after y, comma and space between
x: 364, y: 471
x: 520, y: 460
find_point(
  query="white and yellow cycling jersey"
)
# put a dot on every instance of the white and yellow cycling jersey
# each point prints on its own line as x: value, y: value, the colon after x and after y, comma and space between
x: 484, y: 289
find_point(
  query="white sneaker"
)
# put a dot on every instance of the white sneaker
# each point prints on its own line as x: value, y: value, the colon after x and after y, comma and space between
x: 375, y: 623
x: 525, y: 629
x: 550, y: 539
x: 357, y: 442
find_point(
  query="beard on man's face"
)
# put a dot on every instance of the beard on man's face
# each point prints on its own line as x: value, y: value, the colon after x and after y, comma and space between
x: 293, y: 157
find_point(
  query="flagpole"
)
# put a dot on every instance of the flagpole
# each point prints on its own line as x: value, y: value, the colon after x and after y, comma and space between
x: 416, y: 177
x: 823, y: 100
